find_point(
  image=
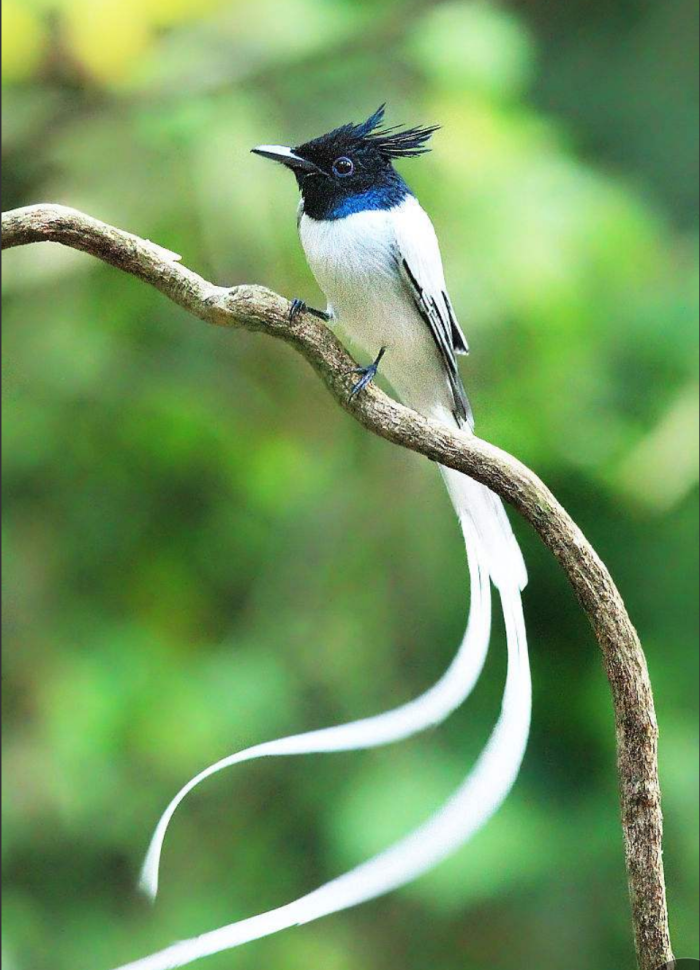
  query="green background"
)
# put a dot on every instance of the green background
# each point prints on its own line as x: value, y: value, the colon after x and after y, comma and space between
x: 204, y: 552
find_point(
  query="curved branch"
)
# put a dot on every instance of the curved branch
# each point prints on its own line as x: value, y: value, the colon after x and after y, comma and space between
x: 256, y: 308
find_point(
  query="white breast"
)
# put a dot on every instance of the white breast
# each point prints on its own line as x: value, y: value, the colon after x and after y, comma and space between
x: 353, y: 259
x: 356, y: 263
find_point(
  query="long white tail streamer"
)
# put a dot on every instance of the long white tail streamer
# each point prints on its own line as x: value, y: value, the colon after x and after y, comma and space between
x: 424, y: 712
x: 468, y: 810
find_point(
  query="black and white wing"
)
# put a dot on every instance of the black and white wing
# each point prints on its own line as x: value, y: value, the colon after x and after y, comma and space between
x: 420, y: 263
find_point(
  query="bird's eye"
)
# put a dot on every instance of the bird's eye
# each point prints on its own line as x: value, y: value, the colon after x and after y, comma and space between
x: 342, y: 167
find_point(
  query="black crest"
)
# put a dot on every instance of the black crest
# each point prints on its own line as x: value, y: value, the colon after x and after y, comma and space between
x: 392, y: 143
x: 354, y: 167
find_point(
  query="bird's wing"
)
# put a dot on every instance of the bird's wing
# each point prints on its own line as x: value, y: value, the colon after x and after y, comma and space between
x: 420, y: 263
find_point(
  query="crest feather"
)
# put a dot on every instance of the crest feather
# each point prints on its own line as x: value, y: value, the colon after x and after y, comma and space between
x: 395, y: 142
x: 372, y: 123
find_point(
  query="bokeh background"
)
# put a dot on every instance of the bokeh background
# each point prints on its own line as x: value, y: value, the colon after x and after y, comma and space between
x: 203, y: 551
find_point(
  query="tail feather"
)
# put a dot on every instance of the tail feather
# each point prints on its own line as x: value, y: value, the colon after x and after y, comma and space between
x: 492, y: 551
x: 468, y: 810
x: 430, y: 709
x: 479, y: 509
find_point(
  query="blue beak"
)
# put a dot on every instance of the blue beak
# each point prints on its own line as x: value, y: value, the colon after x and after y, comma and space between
x: 285, y: 156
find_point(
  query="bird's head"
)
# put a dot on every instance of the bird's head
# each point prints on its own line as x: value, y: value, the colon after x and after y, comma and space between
x: 351, y: 168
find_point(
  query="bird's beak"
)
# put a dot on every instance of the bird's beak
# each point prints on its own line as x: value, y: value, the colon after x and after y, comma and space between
x: 285, y: 156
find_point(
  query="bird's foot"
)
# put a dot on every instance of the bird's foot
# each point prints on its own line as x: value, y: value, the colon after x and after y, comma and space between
x: 298, y: 307
x: 368, y: 375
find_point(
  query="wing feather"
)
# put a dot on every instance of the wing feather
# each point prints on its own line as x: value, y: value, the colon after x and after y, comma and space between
x: 421, y: 267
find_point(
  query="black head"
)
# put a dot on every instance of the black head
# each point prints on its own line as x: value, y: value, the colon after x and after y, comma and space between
x: 350, y: 169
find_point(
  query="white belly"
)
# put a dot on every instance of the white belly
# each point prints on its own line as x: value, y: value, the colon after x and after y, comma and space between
x: 355, y: 263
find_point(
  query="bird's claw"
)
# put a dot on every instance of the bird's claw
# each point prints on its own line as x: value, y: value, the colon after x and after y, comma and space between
x: 296, y: 309
x: 368, y: 374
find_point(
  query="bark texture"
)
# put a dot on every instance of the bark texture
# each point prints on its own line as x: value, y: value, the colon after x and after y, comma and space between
x: 256, y: 308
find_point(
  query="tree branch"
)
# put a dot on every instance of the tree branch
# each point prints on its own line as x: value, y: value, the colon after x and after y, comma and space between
x: 258, y: 309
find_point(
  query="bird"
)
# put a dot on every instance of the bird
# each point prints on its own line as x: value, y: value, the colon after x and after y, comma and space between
x: 375, y: 255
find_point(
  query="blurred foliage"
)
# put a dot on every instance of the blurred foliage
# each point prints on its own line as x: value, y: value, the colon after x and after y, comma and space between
x: 204, y: 552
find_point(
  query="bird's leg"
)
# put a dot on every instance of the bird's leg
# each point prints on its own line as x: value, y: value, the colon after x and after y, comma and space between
x: 298, y: 307
x: 368, y: 374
